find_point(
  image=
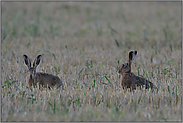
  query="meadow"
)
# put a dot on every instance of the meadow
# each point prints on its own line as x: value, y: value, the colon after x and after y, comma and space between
x: 84, y: 43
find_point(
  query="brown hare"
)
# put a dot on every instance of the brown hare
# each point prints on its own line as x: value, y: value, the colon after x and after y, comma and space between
x: 44, y: 79
x: 129, y: 79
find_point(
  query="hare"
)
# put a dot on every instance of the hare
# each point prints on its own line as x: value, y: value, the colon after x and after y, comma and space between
x: 44, y: 79
x: 129, y: 79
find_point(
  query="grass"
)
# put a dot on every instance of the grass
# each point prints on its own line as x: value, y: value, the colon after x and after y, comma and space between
x: 83, y: 44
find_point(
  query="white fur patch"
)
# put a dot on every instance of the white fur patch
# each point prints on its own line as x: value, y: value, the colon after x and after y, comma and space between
x: 133, y: 57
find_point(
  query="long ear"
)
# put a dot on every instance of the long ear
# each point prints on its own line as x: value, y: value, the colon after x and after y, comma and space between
x: 132, y: 55
x: 27, y: 61
x: 37, y: 61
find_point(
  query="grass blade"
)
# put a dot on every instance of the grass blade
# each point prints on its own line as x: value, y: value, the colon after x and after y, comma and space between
x: 112, y: 30
x: 105, y: 78
x: 94, y: 83
x: 54, y: 56
x: 104, y: 83
x: 101, y: 78
x: 117, y: 42
x: 81, y: 70
x: 66, y: 47
x: 28, y: 45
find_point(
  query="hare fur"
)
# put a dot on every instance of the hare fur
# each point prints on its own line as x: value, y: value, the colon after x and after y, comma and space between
x: 129, y: 79
x: 44, y: 79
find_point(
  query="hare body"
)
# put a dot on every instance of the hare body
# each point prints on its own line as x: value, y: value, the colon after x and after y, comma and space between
x: 132, y: 81
x: 44, y: 79
x: 129, y: 79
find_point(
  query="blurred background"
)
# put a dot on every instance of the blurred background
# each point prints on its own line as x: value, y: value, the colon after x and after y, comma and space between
x: 149, y: 24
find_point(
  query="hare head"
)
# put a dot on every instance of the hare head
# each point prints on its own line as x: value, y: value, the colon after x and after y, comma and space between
x: 32, y: 70
x: 126, y: 67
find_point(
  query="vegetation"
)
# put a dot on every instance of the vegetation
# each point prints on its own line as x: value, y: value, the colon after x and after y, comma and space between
x: 83, y: 43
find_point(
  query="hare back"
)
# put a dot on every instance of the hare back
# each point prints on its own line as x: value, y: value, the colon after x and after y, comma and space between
x: 49, y: 80
x: 128, y: 80
x: 132, y: 81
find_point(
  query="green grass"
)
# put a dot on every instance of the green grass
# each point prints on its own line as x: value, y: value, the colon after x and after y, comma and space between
x: 83, y: 44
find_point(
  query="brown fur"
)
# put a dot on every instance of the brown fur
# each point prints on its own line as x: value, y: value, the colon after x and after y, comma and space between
x: 129, y: 79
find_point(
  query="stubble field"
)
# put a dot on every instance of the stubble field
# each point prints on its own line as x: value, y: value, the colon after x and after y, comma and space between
x: 83, y: 43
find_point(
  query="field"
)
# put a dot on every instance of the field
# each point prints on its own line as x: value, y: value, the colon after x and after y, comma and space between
x: 84, y: 43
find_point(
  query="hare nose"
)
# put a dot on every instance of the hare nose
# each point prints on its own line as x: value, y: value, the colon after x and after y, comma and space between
x: 31, y: 76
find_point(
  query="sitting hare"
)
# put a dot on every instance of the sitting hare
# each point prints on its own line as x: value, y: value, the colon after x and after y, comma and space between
x: 129, y: 79
x: 44, y: 79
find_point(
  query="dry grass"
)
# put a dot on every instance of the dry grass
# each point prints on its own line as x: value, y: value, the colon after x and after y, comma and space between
x: 82, y: 43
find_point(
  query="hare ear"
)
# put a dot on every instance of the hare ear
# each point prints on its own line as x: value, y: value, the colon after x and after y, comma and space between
x: 27, y: 61
x: 132, y: 56
x: 37, y: 61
